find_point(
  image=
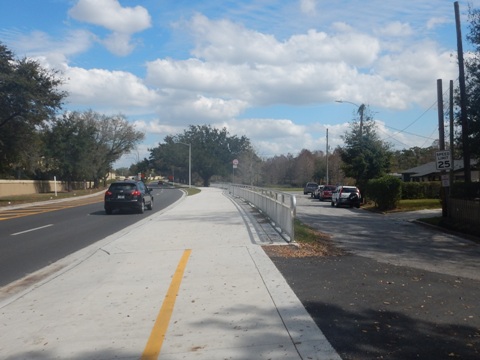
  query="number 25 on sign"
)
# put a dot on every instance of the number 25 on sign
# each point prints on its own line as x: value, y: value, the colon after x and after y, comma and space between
x: 443, y: 160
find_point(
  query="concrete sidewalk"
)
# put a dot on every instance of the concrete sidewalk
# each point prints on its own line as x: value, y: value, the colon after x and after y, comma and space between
x: 189, y: 282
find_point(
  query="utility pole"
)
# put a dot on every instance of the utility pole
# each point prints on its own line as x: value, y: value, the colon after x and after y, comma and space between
x: 463, y: 99
x: 361, y: 109
x: 327, y: 160
x: 452, y: 140
x: 441, y: 138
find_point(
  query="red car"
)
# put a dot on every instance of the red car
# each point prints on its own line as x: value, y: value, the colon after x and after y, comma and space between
x: 326, y: 192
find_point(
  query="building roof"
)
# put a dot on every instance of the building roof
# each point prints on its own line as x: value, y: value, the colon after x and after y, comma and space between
x: 431, y: 168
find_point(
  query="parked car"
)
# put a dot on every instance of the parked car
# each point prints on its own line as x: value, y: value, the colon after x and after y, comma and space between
x: 326, y: 193
x: 346, y: 195
x: 316, y: 193
x: 128, y: 194
x: 309, y: 188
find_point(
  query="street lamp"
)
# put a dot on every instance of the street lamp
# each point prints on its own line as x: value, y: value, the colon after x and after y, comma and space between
x: 189, y: 163
x: 361, y: 109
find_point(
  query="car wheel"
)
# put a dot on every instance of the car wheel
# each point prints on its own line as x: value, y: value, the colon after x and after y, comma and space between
x: 331, y: 203
x: 108, y: 211
x: 337, y: 204
x: 150, y: 206
x: 141, y: 210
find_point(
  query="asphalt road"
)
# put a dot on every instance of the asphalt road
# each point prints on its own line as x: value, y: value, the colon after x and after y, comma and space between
x: 35, y: 237
x: 402, y: 291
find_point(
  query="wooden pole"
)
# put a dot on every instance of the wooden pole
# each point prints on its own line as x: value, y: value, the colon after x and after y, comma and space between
x: 463, y: 99
x: 441, y: 137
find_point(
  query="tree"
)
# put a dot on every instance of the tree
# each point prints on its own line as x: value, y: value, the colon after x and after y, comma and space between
x: 142, y: 167
x: 84, y: 145
x: 304, y: 167
x: 68, y: 142
x: 213, y: 151
x: 279, y: 170
x: 249, y: 170
x: 29, y: 96
x: 472, y: 78
x: 365, y: 156
x: 412, y: 157
x: 114, y: 137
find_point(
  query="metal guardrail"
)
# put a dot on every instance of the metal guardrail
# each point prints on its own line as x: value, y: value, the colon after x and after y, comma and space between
x: 280, y: 207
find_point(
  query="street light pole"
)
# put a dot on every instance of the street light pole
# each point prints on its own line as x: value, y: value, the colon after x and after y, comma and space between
x: 189, y: 163
x: 361, y: 109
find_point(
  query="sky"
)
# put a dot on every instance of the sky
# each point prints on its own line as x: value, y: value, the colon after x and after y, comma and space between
x: 270, y: 70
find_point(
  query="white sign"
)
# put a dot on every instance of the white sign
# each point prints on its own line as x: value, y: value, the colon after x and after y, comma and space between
x: 235, y: 163
x: 443, y: 160
x: 445, y: 180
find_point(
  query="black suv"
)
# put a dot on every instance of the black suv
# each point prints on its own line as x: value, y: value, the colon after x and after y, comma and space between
x: 128, y: 194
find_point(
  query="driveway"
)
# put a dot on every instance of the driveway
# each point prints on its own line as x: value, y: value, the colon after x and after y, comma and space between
x: 403, y: 290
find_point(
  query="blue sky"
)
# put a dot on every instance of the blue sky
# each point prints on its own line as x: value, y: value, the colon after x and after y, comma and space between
x: 271, y: 70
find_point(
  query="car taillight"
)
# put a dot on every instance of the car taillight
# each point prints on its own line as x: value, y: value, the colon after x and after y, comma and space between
x: 136, y: 193
x: 108, y: 193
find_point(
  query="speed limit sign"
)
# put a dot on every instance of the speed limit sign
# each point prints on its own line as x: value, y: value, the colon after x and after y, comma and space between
x: 443, y: 160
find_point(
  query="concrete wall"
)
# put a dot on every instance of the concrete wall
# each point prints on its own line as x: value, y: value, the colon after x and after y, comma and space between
x: 26, y: 187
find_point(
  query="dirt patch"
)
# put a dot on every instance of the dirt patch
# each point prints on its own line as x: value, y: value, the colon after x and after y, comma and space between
x: 322, y: 246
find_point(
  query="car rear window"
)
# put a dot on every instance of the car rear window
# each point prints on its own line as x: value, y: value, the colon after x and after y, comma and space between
x: 349, y: 190
x: 329, y: 188
x: 122, y: 186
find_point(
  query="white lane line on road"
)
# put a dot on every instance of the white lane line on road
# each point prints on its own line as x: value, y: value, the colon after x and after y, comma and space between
x: 30, y: 230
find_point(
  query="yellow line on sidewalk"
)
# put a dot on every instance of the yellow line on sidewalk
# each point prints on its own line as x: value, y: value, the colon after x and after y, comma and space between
x: 155, y: 341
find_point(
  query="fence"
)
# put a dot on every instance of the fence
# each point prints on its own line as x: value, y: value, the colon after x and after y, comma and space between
x: 464, y: 210
x: 280, y: 207
x: 27, y: 187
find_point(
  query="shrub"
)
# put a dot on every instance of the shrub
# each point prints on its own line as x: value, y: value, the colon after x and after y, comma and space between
x: 386, y: 192
x: 421, y: 190
x: 465, y: 191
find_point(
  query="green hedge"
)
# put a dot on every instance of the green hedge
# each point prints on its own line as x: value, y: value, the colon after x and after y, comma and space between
x: 386, y: 192
x: 421, y: 190
x: 463, y: 191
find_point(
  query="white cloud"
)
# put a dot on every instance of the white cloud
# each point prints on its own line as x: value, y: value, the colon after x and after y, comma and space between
x: 436, y: 21
x: 417, y: 69
x: 308, y: 6
x: 115, y: 90
x: 53, y: 53
x: 122, y: 21
x: 233, y: 68
x: 272, y: 136
x: 397, y: 29
x: 111, y: 15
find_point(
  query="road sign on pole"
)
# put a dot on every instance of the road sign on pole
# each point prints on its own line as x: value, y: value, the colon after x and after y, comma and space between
x: 443, y: 160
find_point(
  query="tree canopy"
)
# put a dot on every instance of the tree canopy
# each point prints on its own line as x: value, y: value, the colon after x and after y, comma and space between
x: 85, y: 145
x: 365, y: 156
x: 29, y: 96
x: 472, y: 77
x: 212, y: 151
